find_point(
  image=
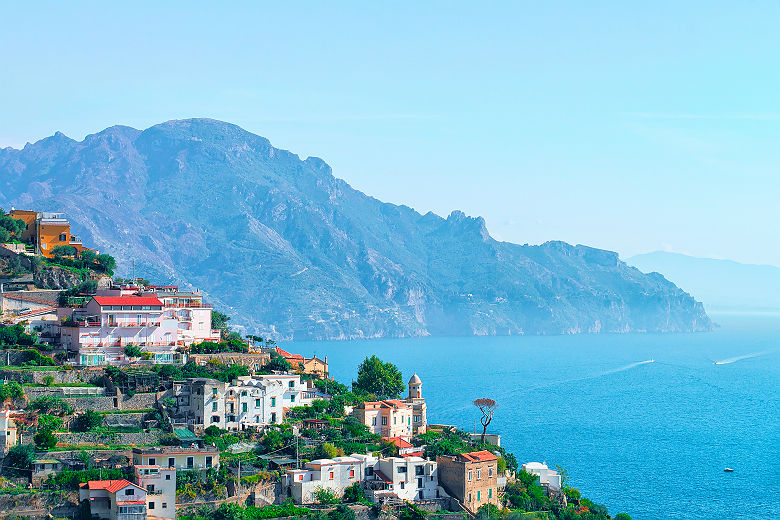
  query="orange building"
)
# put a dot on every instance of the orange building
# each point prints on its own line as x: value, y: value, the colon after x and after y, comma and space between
x: 46, y: 231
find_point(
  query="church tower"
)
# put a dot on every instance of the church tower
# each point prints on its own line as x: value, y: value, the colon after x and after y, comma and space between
x: 415, y: 387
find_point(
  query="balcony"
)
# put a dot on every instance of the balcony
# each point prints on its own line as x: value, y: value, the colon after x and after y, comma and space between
x: 191, y: 305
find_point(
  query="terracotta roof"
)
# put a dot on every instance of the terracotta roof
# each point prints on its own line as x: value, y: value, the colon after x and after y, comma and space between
x: 479, y: 456
x: 111, y: 486
x: 413, y: 454
x: 127, y: 300
x: 399, y: 442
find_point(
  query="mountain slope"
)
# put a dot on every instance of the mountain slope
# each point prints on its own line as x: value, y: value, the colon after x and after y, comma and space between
x: 722, y: 285
x: 290, y: 250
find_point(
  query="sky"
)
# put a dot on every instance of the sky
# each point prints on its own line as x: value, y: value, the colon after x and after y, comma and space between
x: 627, y: 126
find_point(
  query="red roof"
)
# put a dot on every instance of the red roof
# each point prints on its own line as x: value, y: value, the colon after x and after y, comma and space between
x: 413, y: 454
x: 399, y: 442
x: 127, y: 300
x: 479, y: 456
x: 109, y: 485
x: 287, y: 355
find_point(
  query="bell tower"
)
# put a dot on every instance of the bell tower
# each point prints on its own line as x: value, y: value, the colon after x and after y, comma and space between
x: 415, y: 387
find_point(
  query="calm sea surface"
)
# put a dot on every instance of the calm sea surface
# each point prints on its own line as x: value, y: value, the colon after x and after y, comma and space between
x: 648, y: 438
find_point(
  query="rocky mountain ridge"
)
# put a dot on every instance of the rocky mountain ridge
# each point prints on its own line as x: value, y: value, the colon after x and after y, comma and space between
x: 292, y: 251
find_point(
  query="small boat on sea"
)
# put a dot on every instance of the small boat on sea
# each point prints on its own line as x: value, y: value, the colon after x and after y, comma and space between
x: 728, y: 470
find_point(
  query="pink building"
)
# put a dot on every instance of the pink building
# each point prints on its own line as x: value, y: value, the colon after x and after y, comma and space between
x: 113, y: 319
x: 388, y: 418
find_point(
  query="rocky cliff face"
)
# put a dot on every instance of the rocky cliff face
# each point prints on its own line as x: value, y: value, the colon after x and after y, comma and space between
x: 53, y: 277
x: 290, y: 250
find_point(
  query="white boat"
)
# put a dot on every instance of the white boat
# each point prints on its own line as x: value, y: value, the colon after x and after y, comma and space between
x: 728, y: 470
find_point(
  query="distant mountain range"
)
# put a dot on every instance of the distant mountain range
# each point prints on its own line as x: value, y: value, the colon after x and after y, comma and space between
x: 289, y: 250
x: 722, y: 285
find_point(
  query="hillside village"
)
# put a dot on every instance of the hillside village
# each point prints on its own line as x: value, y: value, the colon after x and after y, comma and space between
x: 127, y: 400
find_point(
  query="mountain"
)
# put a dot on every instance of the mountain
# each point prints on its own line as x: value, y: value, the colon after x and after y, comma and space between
x: 722, y: 285
x: 289, y: 250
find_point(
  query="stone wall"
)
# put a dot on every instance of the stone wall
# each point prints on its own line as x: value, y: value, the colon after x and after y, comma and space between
x: 37, y: 376
x: 112, y: 403
x: 138, y: 439
x: 125, y: 419
x: 33, y: 392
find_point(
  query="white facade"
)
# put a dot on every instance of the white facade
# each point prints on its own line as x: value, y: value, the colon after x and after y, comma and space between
x: 260, y: 400
x: 8, y: 431
x: 160, y: 486
x: 116, y: 318
x: 408, y: 478
x: 249, y: 401
x: 547, y: 477
x: 335, y: 474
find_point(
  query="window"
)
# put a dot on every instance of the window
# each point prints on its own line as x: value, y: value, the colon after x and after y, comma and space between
x: 292, y: 398
x: 243, y: 394
x: 273, y: 401
x: 479, y: 474
x: 384, y: 421
x: 490, y: 492
x: 152, y: 461
x: 403, y: 485
x: 395, y: 419
x: 331, y: 475
x: 258, y: 403
x: 373, y: 421
x: 165, y: 505
x: 352, y: 473
x: 215, y: 418
x: 469, y: 497
x: 409, y: 420
x: 190, y: 462
x: 490, y: 472
x: 130, y: 491
x: 369, y: 471
x: 479, y: 496
x: 401, y: 469
x: 208, y: 461
x: 139, y: 318
x: 167, y: 477
x: 214, y: 392
x: 214, y: 406
x: 150, y: 488
x: 243, y: 407
x: 419, y: 470
x: 419, y: 482
x: 63, y: 237
x: 151, y: 505
x: 273, y: 417
x: 292, y: 384
x: 171, y: 463
x: 469, y: 476
x: 300, y: 478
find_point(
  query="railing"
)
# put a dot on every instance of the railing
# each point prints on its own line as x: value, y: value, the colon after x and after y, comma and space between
x: 193, y: 305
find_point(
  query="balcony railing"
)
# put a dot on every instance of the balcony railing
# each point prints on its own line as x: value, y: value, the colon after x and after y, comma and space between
x: 193, y: 305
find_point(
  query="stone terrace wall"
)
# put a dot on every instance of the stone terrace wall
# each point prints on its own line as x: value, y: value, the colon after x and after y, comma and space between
x: 60, y: 376
x: 138, y: 439
x: 112, y: 403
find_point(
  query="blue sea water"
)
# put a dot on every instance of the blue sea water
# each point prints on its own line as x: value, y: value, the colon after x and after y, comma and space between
x: 647, y: 438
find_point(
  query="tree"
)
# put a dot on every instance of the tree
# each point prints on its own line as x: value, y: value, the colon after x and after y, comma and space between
x: 353, y: 493
x: 325, y: 496
x: 382, y: 379
x: 107, y: 262
x: 17, y: 462
x: 61, y: 252
x: 277, y: 362
x: 11, y: 390
x: 133, y: 351
x: 49, y: 422
x: 488, y: 408
x: 48, y: 380
x: 622, y: 516
x: 88, y: 420
x: 487, y: 511
x: 88, y: 256
x: 45, y: 439
x: 341, y: 512
x: 219, y: 320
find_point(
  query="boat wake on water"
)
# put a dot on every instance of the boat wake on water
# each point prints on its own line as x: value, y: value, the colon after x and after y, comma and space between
x: 627, y: 367
x: 734, y: 359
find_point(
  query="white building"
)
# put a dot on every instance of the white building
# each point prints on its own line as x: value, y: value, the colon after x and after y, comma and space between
x: 407, y: 478
x: 260, y: 400
x: 335, y: 474
x: 8, y: 431
x: 160, y: 486
x: 249, y: 401
x: 547, y: 477
x: 114, y: 499
x: 113, y: 319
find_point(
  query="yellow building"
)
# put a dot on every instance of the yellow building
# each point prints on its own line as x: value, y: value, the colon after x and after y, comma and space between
x: 46, y: 231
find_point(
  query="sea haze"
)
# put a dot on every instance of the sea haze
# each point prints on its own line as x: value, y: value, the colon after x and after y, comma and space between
x: 648, y: 438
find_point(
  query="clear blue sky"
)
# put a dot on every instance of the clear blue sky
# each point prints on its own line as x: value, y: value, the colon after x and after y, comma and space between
x: 623, y: 125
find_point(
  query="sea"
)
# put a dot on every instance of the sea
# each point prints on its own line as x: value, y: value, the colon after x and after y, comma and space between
x: 643, y: 423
